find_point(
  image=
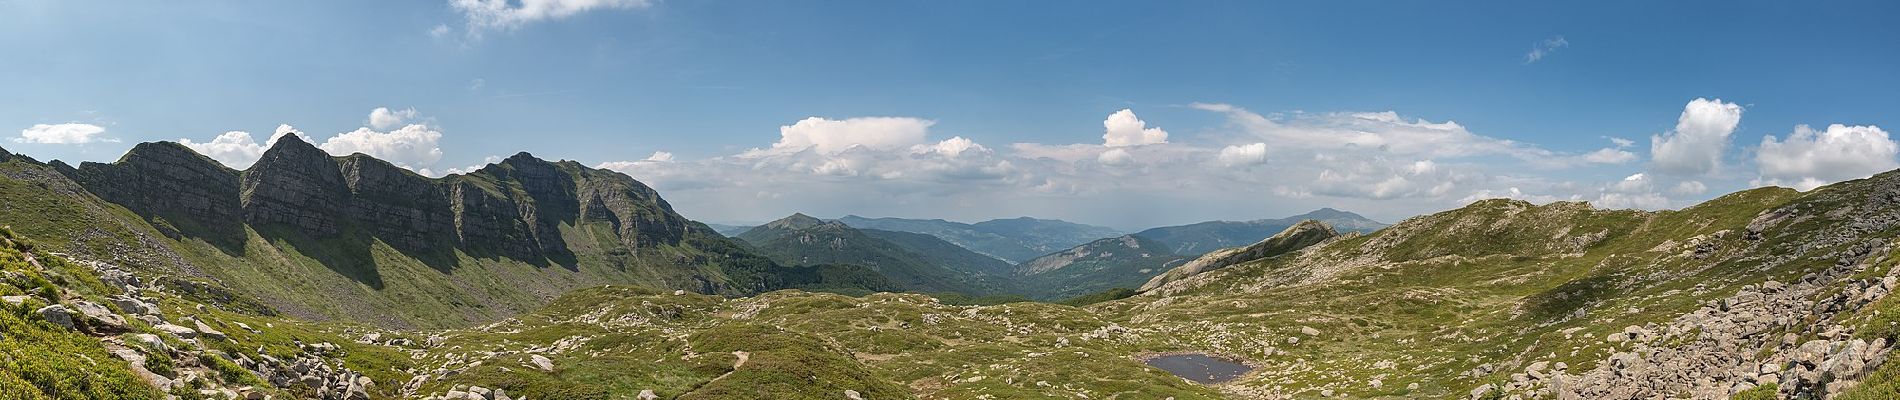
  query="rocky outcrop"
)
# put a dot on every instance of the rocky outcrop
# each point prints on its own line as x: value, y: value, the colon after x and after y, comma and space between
x: 1299, y: 236
x: 296, y: 185
x: 169, y: 181
x: 514, y: 209
x: 405, y: 209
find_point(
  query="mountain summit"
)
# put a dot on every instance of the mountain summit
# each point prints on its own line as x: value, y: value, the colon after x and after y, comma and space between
x: 301, y: 225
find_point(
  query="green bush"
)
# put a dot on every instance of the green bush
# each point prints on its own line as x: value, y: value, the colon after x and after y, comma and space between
x: 1763, y: 392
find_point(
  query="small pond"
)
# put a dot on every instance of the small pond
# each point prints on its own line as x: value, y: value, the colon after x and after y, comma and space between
x: 1200, y: 368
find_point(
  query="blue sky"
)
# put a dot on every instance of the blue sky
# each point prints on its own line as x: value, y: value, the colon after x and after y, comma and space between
x: 726, y: 88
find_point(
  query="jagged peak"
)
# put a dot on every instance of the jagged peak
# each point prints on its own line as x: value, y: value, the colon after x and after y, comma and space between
x: 291, y: 146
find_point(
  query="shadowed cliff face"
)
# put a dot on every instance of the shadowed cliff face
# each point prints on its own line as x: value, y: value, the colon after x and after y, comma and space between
x: 297, y: 185
x: 491, y: 236
x: 514, y: 209
x: 194, y: 195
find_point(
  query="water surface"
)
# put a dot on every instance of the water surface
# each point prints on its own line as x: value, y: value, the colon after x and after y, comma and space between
x: 1200, y: 368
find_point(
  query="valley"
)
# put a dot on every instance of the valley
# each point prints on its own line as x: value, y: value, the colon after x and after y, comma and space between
x: 1762, y: 291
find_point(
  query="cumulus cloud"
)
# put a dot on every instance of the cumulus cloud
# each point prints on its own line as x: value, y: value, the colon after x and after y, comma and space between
x: 414, y: 146
x: 829, y: 136
x: 411, y: 146
x: 468, y: 169
x: 1545, y: 48
x: 237, y: 149
x: 1689, y: 188
x: 1124, y: 129
x: 1248, y: 154
x: 67, y: 133
x: 1375, y: 160
x: 512, y: 14
x: 1808, y: 158
x: 1695, y: 147
x: 952, y: 147
x: 383, y: 118
x: 1115, y: 157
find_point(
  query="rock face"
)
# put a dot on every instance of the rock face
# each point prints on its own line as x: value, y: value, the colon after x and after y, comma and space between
x: 297, y: 185
x: 1119, y: 262
x: 167, y: 180
x: 1299, y: 236
x: 512, y: 209
x: 513, y: 218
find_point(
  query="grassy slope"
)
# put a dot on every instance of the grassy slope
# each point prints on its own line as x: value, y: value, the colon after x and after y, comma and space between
x: 293, y: 273
x: 1439, y: 295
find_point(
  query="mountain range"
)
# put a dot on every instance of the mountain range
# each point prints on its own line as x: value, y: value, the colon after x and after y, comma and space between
x: 165, y: 275
x: 301, y: 226
x: 1013, y: 240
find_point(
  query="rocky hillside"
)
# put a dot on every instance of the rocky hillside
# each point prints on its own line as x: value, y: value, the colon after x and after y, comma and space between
x: 1766, y: 293
x: 301, y: 228
x: 1299, y: 236
x: 1119, y: 262
x: 1200, y: 238
x: 802, y: 240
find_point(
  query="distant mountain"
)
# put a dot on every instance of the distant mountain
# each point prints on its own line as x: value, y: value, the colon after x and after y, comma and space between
x: 730, y: 230
x: 942, y: 253
x: 1126, y: 261
x: 801, y: 240
x: 1200, y: 238
x: 1012, y: 240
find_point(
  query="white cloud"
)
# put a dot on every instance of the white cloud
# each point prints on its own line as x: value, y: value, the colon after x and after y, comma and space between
x: 411, y: 146
x: 439, y: 31
x: 1115, y: 157
x: 383, y: 118
x: 951, y: 147
x: 1545, y: 48
x: 829, y: 136
x: 1124, y: 129
x: 1609, y: 156
x: 660, y: 156
x: 1689, y: 188
x: 1378, y: 161
x: 471, y: 168
x: 1248, y: 154
x: 512, y: 14
x: 67, y: 133
x: 237, y: 149
x: 1808, y: 158
x: 1695, y: 147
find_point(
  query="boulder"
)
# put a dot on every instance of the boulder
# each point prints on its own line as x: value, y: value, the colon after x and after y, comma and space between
x: 132, y: 305
x: 57, y: 314
x: 100, y: 317
x: 175, y: 330
x: 151, y: 341
x: 542, y: 362
x: 206, y: 329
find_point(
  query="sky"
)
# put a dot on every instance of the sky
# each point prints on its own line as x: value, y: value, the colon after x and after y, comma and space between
x: 1124, y: 114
